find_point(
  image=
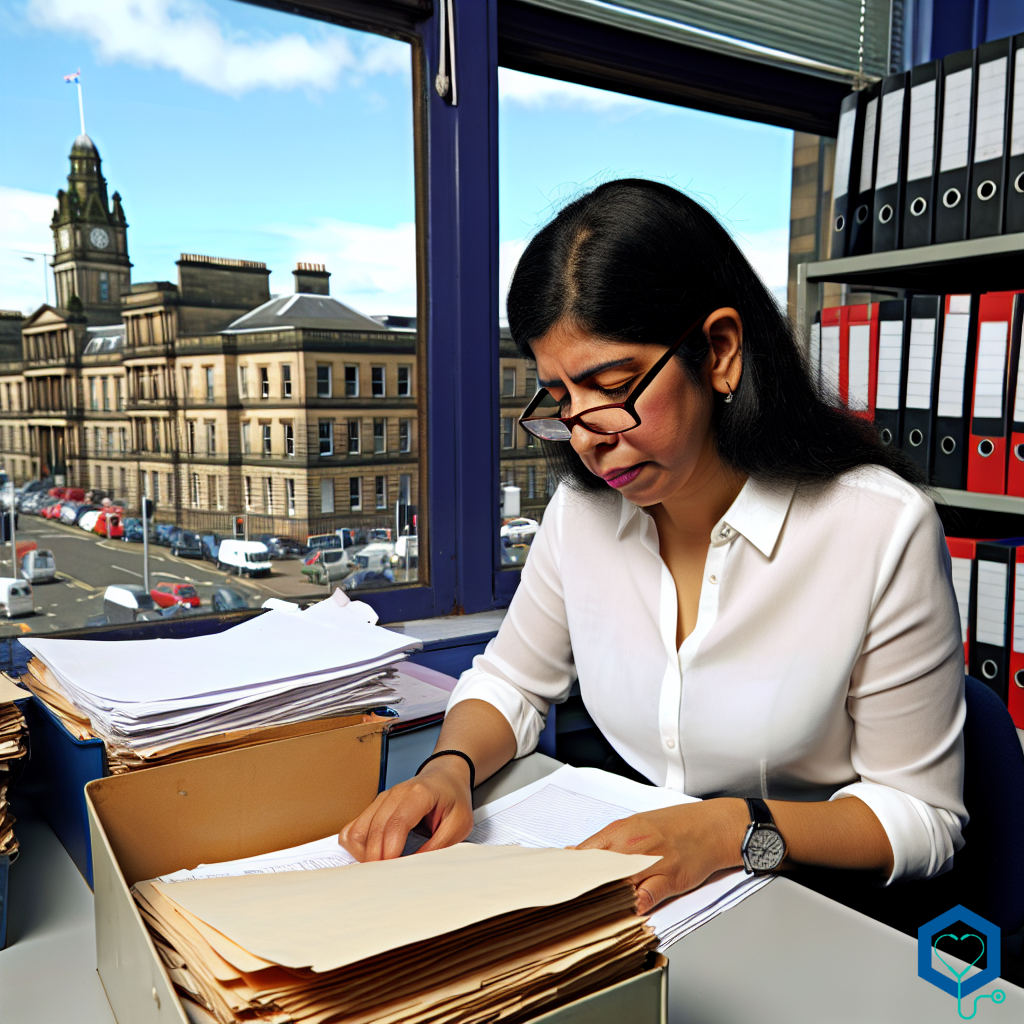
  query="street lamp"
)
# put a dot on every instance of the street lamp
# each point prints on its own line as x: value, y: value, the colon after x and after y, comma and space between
x: 29, y: 256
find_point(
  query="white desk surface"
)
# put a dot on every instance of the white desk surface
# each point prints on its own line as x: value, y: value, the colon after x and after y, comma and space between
x: 785, y: 954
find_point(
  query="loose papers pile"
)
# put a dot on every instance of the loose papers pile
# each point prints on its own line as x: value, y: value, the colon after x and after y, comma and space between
x: 458, y: 935
x: 154, y: 701
x: 13, y: 733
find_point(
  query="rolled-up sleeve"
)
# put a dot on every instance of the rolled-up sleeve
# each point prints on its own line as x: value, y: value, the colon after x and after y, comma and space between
x: 528, y: 666
x: 906, y: 700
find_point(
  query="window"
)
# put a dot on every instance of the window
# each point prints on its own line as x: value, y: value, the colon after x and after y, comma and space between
x: 156, y: 487
x: 531, y: 481
x: 155, y: 425
x: 211, y: 438
x: 508, y: 436
x: 243, y: 381
x: 380, y: 490
x: 380, y: 437
x: 508, y: 381
x: 247, y: 488
x: 268, y: 495
x: 323, y: 380
x: 355, y: 494
x: 186, y: 378
x: 264, y: 382
x: 211, y: 492
x: 105, y: 392
x: 209, y: 383
x: 377, y: 389
x: 190, y: 432
x: 266, y: 440
x: 286, y: 380
x: 531, y: 381
x: 325, y: 431
x: 351, y: 381
x: 404, y: 488
x: 289, y: 491
x: 122, y: 442
x: 92, y: 394
x: 405, y: 382
x: 123, y: 479
x: 104, y: 286
x: 289, y: 439
x: 119, y: 392
x: 110, y: 442
x: 246, y: 443
x: 353, y: 437
x: 170, y: 487
x: 195, y: 490
x: 405, y: 436
x: 326, y: 496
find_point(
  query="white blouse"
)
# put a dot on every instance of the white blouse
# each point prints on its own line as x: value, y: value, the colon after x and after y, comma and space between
x: 826, y: 659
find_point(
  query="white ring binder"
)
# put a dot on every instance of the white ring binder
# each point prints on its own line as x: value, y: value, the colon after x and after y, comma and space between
x: 986, y: 190
x: 951, y: 197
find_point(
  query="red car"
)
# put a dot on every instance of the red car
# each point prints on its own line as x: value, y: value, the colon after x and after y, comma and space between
x: 167, y: 594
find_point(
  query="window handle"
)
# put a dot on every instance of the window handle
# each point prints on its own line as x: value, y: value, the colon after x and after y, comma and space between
x: 444, y: 84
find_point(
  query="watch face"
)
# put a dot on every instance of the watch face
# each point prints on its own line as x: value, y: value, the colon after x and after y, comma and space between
x: 99, y: 238
x: 765, y: 849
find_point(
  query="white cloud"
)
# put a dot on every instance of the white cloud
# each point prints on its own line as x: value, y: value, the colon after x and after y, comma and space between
x: 768, y: 253
x: 186, y: 36
x: 536, y: 92
x: 372, y: 268
x: 25, y: 230
x: 508, y: 257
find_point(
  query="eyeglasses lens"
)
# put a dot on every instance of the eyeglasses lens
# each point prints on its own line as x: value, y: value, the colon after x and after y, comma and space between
x: 545, y: 421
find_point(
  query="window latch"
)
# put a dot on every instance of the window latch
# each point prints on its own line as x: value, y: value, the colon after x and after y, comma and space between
x: 444, y: 83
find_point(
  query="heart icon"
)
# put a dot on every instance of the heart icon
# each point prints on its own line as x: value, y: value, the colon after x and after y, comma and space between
x: 959, y: 938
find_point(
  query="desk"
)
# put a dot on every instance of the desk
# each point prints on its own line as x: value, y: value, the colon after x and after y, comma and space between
x: 785, y: 955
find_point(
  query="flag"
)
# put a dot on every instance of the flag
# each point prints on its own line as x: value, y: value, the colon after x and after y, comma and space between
x: 75, y: 78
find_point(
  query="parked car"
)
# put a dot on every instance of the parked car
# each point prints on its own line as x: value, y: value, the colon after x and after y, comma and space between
x: 351, y: 537
x: 244, y: 556
x: 211, y: 545
x: 127, y: 602
x: 186, y: 544
x: 330, y: 565
x: 380, y: 533
x: 323, y: 540
x: 16, y: 597
x: 162, y: 533
x: 224, y: 599
x: 165, y: 595
x: 38, y: 566
x: 520, y: 530
x: 367, y: 579
x: 406, y: 548
x: 374, y: 556
x: 282, y: 547
x: 131, y: 530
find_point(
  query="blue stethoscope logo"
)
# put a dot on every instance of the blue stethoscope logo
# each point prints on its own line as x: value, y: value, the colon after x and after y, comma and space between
x: 998, y: 996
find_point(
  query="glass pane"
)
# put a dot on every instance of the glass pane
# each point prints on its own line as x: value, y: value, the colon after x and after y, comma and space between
x: 557, y: 140
x: 200, y: 289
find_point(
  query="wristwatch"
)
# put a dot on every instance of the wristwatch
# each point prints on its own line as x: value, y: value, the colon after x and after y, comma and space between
x: 763, y: 848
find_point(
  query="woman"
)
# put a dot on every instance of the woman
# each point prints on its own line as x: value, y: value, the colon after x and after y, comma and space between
x: 752, y: 592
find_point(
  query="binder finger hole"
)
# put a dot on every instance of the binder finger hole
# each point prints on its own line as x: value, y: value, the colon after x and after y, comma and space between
x: 1018, y: 678
x: 915, y: 437
x: 1018, y: 182
x: 918, y: 206
x: 948, y: 445
x: 840, y: 222
x: 885, y: 214
x: 986, y: 190
x: 985, y: 447
x: 886, y: 435
x: 862, y: 214
x: 989, y: 669
x: 951, y: 197
x: 1018, y: 451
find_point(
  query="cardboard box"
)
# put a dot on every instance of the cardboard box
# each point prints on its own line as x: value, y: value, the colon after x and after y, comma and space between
x: 238, y: 804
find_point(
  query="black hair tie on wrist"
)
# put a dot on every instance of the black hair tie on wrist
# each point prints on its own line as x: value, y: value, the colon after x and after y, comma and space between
x: 456, y: 753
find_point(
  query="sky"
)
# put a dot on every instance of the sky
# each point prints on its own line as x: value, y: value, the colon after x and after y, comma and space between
x: 240, y: 132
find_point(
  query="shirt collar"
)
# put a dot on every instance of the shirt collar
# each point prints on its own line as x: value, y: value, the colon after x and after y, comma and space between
x: 758, y: 513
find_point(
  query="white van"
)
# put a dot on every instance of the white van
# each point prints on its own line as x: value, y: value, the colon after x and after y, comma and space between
x: 374, y: 556
x: 16, y: 597
x: 249, y: 557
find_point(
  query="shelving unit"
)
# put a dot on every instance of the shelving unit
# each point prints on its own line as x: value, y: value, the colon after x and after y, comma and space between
x: 977, y: 264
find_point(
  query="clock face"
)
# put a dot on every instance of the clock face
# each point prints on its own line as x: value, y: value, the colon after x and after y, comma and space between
x: 99, y: 238
x: 65, y: 238
x: 765, y: 849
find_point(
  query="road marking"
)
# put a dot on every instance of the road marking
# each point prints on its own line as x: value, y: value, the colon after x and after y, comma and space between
x: 130, y: 571
x: 75, y: 583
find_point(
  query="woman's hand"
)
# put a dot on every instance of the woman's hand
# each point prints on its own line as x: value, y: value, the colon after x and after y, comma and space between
x: 693, y: 840
x: 439, y: 796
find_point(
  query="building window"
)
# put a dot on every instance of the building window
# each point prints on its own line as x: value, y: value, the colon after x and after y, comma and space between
x: 122, y: 441
x: 325, y: 432
x: 104, y: 286
x: 211, y: 492
x: 246, y: 444
x: 405, y: 436
x: 190, y: 436
x: 123, y: 477
x: 247, y: 487
x: 323, y: 380
x: 286, y: 380
x: 211, y: 439
x: 268, y: 495
x: 531, y: 481
x: 508, y: 432
x: 326, y: 495
x: 353, y: 437
x: 351, y: 381
x: 92, y: 394
x: 404, y: 488
x: 156, y: 487
x: 380, y: 437
x: 405, y: 382
x: 266, y: 439
x: 264, y: 382
x: 170, y: 488
x: 355, y: 494
x: 105, y: 392
x: 289, y: 491
x: 377, y: 389
x: 186, y: 376
x: 531, y: 381
x: 243, y: 381
x: 110, y: 442
x: 155, y: 425
x: 508, y: 381
x: 209, y: 383
x: 380, y: 490
x: 119, y: 392
x: 289, y: 439
x: 195, y: 489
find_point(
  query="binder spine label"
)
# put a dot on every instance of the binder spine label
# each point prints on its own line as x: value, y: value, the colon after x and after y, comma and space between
x: 953, y: 365
x: 867, y: 159
x: 956, y: 121
x: 844, y: 153
x: 890, y: 364
x: 1017, y: 116
x: 830, y: 363
x: 889, y: 139
x: 858, y: 387
x: 991, y: 372
x: 990, y: 125
x: 1018, y: 402
x: 921, y: 143
x: 962, y: 590
x: 920, y: 363
x: 1018, y: 612
x: 992, y: 602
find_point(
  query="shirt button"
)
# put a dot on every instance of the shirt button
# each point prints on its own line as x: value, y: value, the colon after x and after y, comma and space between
x: 712, y: 579
x: 671, y: 744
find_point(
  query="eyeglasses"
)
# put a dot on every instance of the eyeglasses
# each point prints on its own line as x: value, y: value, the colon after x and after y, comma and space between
x: 542, y: 420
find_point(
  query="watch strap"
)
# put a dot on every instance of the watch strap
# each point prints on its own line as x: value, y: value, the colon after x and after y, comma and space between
x: 759, y: 813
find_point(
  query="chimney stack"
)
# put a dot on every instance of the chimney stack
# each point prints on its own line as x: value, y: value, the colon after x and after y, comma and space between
x: 312, y: 279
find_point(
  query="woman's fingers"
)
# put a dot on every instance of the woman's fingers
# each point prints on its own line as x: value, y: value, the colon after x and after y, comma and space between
x: 456, y: 824
x: 381, y: 831
x: 651, y: 891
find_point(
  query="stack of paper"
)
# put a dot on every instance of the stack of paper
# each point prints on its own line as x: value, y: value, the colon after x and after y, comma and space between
x: 13, y: 733
x: 464, y: 934
x: 157, y: 700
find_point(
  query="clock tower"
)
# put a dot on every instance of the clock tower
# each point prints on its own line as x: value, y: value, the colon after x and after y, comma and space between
x: 90, y: 241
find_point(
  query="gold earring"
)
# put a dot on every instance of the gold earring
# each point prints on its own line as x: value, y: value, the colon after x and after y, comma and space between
x: 728, y: 397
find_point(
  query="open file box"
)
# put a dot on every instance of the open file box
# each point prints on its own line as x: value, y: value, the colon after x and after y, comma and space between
x: 238, y: 804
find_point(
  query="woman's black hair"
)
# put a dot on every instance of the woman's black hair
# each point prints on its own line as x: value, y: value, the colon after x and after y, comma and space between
x: 638, y: 261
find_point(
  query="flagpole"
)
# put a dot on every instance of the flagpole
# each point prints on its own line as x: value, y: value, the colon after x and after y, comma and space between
x: 81, y: 108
